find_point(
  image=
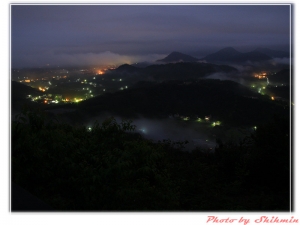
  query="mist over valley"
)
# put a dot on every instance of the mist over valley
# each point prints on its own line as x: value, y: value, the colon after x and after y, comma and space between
x: 151, y: 108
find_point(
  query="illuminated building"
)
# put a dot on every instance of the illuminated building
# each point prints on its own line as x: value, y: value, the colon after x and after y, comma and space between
x: 207, y: 118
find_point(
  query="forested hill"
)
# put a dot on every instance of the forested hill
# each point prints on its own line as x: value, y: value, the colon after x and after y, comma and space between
x: 223, y: 100
x: 21, y: 90
x: 171, y: 71
x: 18, y: 94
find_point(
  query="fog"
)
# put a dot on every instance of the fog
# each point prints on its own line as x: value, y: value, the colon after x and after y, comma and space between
x: 197, y: 134
x: 247, y: 69
x: 239, y: 78
x: 85, y: 59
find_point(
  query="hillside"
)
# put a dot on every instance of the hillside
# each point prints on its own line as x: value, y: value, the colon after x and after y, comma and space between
x: 112, y: 168
x: 273, y: 53
x: 224, y: 100
x: 170, y: 71
x: 283, y: 76
x: 231, y: 55
x: 18, y: 94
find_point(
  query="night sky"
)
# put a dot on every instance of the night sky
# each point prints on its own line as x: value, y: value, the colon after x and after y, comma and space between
x: 115, y: 34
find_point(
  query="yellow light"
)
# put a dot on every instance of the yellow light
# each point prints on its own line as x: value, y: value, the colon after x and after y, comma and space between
x: 272, y: 98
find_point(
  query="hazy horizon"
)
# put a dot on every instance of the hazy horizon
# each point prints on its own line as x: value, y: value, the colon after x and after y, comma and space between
x: 74, y: 35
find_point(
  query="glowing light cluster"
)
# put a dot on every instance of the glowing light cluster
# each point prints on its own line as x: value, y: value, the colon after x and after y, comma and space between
x: 78, y: 100
x: 262, y: 75
x: 42, y: 89
x: 216, y: 123
x: 100, y: 72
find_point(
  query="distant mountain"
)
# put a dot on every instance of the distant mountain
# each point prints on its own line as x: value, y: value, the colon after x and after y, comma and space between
x: 178, y: 57
x: 253, y: 56
x: 223, y: 54
x: 273, y: 53
x: 231, y: 55
x: 127, y: 68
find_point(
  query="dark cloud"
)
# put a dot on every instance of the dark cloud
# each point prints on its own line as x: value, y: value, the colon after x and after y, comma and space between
x: 142, y: 29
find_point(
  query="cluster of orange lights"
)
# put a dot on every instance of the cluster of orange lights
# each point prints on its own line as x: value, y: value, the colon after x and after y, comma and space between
x: 42, y: 89
x: 100, y: 72
x: 261, y: 76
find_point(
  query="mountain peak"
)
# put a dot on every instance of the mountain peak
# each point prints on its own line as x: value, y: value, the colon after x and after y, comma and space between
x: 127, y: 68
x: 178, y: 57
x: 229, y: 50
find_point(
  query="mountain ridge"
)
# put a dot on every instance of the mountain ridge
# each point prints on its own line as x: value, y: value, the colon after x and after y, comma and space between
x: 230, y: 54
x: 178, y: 57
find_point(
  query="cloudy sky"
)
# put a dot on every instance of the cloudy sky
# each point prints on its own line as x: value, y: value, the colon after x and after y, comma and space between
x: 103, y: 34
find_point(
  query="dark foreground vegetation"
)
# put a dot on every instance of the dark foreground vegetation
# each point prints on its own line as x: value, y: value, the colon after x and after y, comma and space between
x: 112, y: 168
